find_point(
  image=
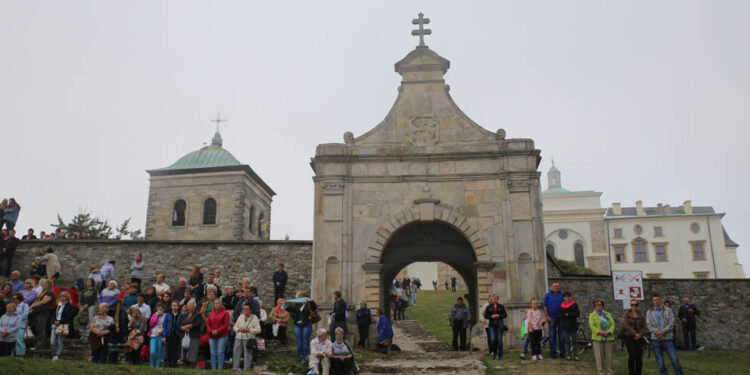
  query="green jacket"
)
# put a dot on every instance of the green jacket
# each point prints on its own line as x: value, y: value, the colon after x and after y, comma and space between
x: 595, y: 324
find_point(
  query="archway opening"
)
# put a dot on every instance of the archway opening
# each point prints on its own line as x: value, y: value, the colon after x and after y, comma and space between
x: 429, y: 242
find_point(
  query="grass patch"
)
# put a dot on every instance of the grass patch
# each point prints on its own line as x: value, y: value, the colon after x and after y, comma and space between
x: 432, y: 309
x: 432, y: 312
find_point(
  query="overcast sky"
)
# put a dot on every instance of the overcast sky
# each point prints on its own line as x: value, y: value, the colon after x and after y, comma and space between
x: 640, y: 100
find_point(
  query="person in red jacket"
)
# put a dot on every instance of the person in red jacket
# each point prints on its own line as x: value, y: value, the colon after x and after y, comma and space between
x: 217, y: 326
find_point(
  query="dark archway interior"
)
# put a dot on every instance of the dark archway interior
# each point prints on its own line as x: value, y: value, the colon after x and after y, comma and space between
x: 428, y: 242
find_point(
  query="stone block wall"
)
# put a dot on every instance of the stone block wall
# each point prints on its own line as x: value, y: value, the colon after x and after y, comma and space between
x: 256, y: 260
x: 725, y: 311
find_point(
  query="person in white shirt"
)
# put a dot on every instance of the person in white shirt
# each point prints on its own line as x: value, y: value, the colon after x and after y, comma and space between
x: 144, y: 307
x: 160, y: 286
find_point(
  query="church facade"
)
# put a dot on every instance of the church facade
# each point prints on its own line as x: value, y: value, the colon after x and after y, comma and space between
x: 208, y: 195
x: 428, y: 184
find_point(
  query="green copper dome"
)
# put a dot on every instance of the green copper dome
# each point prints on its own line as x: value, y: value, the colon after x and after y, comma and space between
x: 207, y: 157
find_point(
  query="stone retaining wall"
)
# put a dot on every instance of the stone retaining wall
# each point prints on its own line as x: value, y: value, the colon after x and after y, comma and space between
x: 725, y: 311
x: 256, y: 260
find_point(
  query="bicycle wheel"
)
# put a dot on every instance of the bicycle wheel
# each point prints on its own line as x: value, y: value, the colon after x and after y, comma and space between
x: 581, y: 348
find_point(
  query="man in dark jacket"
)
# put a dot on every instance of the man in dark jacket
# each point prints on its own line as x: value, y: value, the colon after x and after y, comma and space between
x: 279, y: 283
x: 459, y: 318
x: 453, y: 284
x: 339, y: 312
x: 246, y: 299
x: 688, y: 314
x: 8, y: 249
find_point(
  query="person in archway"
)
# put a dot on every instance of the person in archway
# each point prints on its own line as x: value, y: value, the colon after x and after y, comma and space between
x: 453, y: 284
x: 339, y: 312
x: 459, y: 318
x: 495, y: 314
x: 552, y: 301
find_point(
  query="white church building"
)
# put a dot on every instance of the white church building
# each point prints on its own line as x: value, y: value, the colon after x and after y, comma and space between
x: 663, y: 241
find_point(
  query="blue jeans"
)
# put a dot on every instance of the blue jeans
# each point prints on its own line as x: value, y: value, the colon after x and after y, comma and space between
x: 556, y: 338
x: 56, y: 342
x: 658, y: 347
x: 99, y: 355
x: 155, y: 355
x: 496, y: 338
x: 526, y: 344
x: 302, y: 333
x: 414, y: 299
x: 217, y: 352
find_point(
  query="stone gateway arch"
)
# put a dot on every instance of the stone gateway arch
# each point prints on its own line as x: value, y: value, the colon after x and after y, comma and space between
x: 428, y: 184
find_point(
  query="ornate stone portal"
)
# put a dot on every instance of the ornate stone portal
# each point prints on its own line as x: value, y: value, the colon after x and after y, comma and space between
x: 428, y: 184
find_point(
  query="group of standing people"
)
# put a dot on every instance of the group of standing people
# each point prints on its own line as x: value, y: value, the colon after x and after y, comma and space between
x: 561, y: 313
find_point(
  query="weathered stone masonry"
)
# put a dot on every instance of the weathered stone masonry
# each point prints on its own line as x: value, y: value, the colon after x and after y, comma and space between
x: 256, y: 260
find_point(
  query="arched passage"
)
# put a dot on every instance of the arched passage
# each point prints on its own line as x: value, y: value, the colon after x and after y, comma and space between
x: 428, y: 242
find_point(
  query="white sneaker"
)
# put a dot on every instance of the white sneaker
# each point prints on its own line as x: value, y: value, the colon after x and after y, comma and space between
x: 54, y: 358
x: 540, y: 356
x: 534, y: 357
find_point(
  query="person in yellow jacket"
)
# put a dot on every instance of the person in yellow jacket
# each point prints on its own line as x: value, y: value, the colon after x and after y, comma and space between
x: 603, y: 335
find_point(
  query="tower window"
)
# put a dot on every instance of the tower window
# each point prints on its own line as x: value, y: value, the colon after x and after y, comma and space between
x: 209, y: 211
x: 178, y: 213
x: 550, y: 249
x: 251, y: 218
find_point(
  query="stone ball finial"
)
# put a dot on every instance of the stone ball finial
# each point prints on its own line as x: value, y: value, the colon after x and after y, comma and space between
x: 348, y: 137
x: 500, y: 134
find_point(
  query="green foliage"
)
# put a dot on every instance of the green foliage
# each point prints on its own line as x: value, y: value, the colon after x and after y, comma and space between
x: 571, y: 268
x: 97, y: 228
x: 124, y: 231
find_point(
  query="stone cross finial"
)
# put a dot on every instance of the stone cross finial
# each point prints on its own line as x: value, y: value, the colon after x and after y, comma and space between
x: 218, y: 121
x: 421, y: 21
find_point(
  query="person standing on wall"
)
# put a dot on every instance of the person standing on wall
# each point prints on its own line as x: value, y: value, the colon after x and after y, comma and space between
x: 688, y: 315
x: 552, y: 301
x: 136, y: 271
x: 660, y: 322
x: 459, y: 318
x: 279, y: 282
x: 7, y: 251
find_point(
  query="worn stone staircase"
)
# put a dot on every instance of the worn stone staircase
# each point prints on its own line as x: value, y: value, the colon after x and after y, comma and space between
x: 422, y: 353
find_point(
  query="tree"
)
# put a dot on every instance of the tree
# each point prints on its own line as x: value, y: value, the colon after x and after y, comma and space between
x: 97, y: 228
x: 123, y: 230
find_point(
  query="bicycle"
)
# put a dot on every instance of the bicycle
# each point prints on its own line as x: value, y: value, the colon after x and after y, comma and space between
x: 582, y: 341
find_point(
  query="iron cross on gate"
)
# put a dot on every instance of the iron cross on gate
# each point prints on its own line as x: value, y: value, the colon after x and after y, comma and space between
x: 421, y: 21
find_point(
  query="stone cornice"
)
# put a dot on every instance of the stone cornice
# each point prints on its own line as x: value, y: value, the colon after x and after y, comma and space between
x: 349, y: 158
x: 430, y: 178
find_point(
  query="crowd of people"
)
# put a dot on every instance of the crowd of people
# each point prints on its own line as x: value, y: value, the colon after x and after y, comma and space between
x: 560, y: 313
x: 203, y: 321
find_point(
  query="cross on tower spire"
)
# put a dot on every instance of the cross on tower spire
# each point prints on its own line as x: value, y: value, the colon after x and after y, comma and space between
x: 218, y: 121
x: 216, y: 140
x: 421, y: 21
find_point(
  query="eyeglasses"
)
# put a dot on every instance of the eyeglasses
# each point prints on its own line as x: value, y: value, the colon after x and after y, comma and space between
x: 633, y: 304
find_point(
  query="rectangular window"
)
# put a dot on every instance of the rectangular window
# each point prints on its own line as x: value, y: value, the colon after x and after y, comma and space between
x: 618, y: 232
x: 701, y: 275
x: 699, y: 253
x: 658, y: 232
x: 639, y: 252
x: 661, y: 252
x: 653, y: 275
x: 620, y: 254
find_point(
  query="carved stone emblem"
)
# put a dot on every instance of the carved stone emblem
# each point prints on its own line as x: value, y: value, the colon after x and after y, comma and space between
x: 422, y: 132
